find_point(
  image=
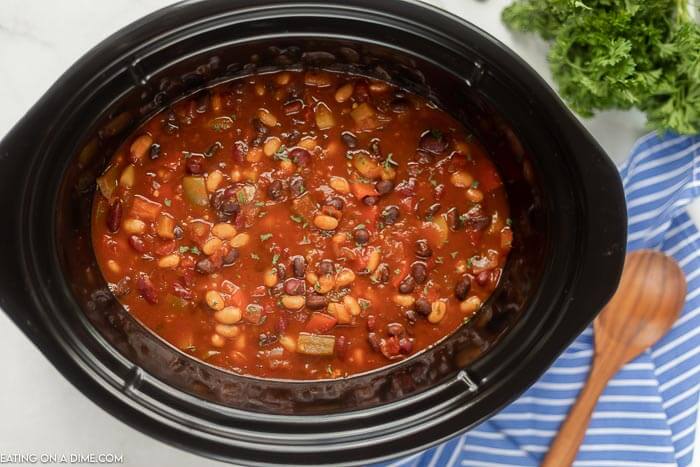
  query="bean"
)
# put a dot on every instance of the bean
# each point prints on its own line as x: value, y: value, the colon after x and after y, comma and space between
x: 217, y: 341
x: 374, y: 147
x: 462, y: 288
x: 423, y: 249
x: 462, y: 179
x: 178, y: 233
x: 275, y: 191
x: 403, y: 300
x: 349, y: 139
x: 300, y: 156
x: 292, y: 107
x: 339, y: 184
x: 239, y: 151
x: 226, y: 330
x: 432, y: 210
x: 195, y: 165
x: 407, y: 285
x: 169, y: 261
x: 411, y: 316
x: 293, y: 302
x: 128, y: 176
x: 270, y: 277
x: 230, y: 257
x: 476, y: 218
x: 419, y: 271
x: 205, y: 266
x: 326, y: 267
x: 344, y: 92
x: 381, y: 274
x: 374, y: 341
x: 454, y: 221
x: 405, y: 345
x: 400, y: 105
x: 438, y: 310
x: 137, y: 243
x: 474, y: 195
x: 140, y: 147
x: 228, y: 315
x: 373, y: 261
x: 267, y: 118
x: 395, y: 329
x: 361, y: 91
x: 291, y: 138
x: 213, y: 181
x: 214, y: 300
x: 384, y: 187
x: 288, y: 343
x: 422, y: 307
x: 224, y: 231
x: 370, y: 200
x: 211, y: 246
x: 134, y: 226
x: 154, y: 152
x: 114, y: 216
x: 471, y: 305
x: 361, y: 236
x: 390, y: 215
x: 324, y: 222
x: 147, y: 289
x: 325, y: 284
x: 371, y: 323
x: 344, y: 277
x: 240, y: 240
x: 432, y: 142
x: 336, y: 203
x: 271, y: 146
x: 483, y: 278
x: 114, y: 266
x: 296, y: 185
x: 294, y: 286
x: 298, y: 266
x: 316, y: 301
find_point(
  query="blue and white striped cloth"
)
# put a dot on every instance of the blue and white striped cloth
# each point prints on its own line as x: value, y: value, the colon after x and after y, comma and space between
x: 646, y: 416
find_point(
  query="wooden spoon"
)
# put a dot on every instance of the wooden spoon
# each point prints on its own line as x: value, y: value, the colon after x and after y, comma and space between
x: 647, y: 303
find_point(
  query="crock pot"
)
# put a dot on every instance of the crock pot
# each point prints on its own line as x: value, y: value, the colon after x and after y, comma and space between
x: 566, y: 198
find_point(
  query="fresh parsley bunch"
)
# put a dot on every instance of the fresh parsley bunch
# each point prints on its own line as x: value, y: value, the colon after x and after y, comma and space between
x: 620, y: 54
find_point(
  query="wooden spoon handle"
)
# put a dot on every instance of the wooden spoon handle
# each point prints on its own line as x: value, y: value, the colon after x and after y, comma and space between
x: 565, y: 446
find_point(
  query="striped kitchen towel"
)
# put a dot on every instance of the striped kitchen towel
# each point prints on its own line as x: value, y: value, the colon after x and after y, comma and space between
x: 646, y: 416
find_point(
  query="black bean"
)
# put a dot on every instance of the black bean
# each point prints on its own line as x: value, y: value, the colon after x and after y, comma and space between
x: 137, y: 243
x: 454, y: 220
x: 275, y: 191
x: 384, y: 187
x: 433, y: 142
x: 432, y: 210
x: 422, y: 307
x: 419, y: 271
x: 298, y: 266
x: 259, y: 127
x: 390, y: 215
x: 281, y: 271
x: 361, y: 236
x: 205, y: 266
x: 462, y: 288
x: 114, y: 216
x: 374, y: 147
x: 395, y: 329
x: 230, y: 257
x: 325, y: 267
x: 349, y: 139
x: 178, y: 232
x: 296, y: 184
x: 291, y: 138
x: 300, y: 156
x: 423, y: 248
x: 154, y: 152
x: 195, y: 165
x: 382, y: 273
x: 294, y: 286
x: 316, y: 302
x: 407, y: 285
x: 336, y: 202
x: 229, y: 209
x: 370, y: 200
x: 410, y: 316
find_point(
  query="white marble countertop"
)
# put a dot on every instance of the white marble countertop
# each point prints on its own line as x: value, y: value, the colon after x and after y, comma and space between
x: 40, y: 411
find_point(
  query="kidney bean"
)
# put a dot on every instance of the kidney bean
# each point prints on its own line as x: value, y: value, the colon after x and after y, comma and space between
x: 419, y: 271
x: 462, y: 288
x: 454, y: 221
x: 300, y: 156
x: 114, y: 216
x: 281, y: 271
x: 205, y: 266
x: 316, y: 302
x: 281, y: 324
x: 476, y: 218
x: 170, y: 124
x: 230, y: 257
x: 382, y: 273
x: 483, y: 278
x: 326, y: 267
x: 390, y: 347
x: 277, y: 290
x: 182, y: 291
x: 384, y: 187
x: 432, y: 142
x: 423, y: 249
x: 361, y: 236
x: 275, y: 191
x: 239, y: 151
x: 298, y: 266
x: 370, y: 200
x: 395, y: 329
x: 229, y: 209
x: 390, y: 215
x: 267, y: 338
x: 137, y: 243
x: 422, y: 307
x: 147, y: 289
x: 195, y: 165
x: 410, y: 316
x: 407, y: 285
x: 374, y: 341
x: 336, y: 202
x: 405, y: 345
x: 294, y: 286
x: 293, y: 107
x: 349, y: 139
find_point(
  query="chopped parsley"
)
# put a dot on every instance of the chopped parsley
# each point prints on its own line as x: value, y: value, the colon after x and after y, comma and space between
x: 454, y: 254
x: 255, y: 256
x: 388, y: 162
x: 475, y: 184
x: 275, y: 259
x: 260, y: 203
x: 195, y: 251
x: 240, y: 194
x: 305, y: 241
x: 364, y: 303
x: 265, y: 236
x: 439, y: 260
x: 509, y: 221
x: 296, y: 218
x: 167, y: 202
x: 281, y: 154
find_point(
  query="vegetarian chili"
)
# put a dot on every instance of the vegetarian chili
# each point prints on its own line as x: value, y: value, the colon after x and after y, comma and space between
x: 301, y: 225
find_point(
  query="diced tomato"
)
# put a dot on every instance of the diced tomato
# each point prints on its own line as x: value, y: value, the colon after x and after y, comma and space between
x: 145, y: 209
x: 360, y: 190
x: 320, y: 323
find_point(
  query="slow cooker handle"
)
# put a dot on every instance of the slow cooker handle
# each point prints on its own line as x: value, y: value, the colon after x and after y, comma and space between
x: 17, y: 150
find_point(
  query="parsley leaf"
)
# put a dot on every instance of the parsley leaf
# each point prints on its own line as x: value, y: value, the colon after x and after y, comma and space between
x: 265, y: 236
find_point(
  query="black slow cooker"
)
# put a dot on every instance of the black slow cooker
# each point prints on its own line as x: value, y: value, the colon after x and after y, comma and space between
x: 566, y: 200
